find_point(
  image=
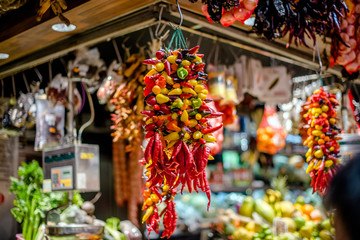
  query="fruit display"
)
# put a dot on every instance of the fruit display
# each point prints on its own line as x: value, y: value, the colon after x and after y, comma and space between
x: 270, y: 134
x: 319, y: 116
x: 227, y: 12
x: 254, y: 221
x: 345, y: 50
x: 301, y: 19
x: 177, y: 128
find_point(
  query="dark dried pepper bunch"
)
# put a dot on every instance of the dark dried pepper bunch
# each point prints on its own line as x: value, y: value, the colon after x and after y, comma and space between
x: 271, y: 16
x: 274, y: 19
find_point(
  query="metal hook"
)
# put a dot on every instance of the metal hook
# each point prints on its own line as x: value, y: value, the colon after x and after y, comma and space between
x: 26, y: 82
x: 159, y: 23
x: 117, y: 51
x: 181, y: 17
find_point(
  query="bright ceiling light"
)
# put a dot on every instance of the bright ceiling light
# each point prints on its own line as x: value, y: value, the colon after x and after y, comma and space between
x: 250, y: 21
x: 62, y: 27
x: 4, y: 55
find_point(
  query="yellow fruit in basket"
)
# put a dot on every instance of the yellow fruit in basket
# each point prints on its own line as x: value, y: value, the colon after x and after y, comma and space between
x: 269, y: 130
x: 298, y: 206
x: 261, y: 131
x: 307, y: 209
x: 264, y: 138
x: 316, y: 215
x: 250, y: 226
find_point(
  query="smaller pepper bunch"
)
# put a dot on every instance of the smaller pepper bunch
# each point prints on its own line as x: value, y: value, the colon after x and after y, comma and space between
x: 229, y: 11
x: 319, y: 116
x: 178, y: 128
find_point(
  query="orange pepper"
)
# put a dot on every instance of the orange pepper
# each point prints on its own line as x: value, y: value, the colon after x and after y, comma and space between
x: 326, y: 139
x: 322, y: 136
x: 324, y: 115
x: 184, y: 107
x: 321, y: 142
x: 155, y: 119
x: 173, y: 126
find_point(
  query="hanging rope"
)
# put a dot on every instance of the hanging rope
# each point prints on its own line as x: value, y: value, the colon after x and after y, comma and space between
x: 178, y: 36
x: 13, y: 85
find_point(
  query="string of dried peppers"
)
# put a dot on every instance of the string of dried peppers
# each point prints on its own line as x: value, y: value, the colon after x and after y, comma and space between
x: 177, y: 128
x: 319, y: 116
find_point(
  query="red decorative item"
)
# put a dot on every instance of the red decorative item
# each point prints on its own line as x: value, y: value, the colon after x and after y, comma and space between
x: 319, y: 117
x: 178, y: 130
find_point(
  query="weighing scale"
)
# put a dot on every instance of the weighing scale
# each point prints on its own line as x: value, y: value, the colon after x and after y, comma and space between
x: 72, y: 167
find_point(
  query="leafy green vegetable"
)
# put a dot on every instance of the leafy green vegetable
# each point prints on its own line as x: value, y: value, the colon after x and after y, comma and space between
x: 112, y: 228
x: 31, y: 203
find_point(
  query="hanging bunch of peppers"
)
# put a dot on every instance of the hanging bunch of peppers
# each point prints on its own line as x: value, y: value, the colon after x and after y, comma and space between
x: 229, y: 11
x: 301, y: 19
x: 345, y: 50
x: 177, y: 128
x: 128, y: 102
x: 319, y: 117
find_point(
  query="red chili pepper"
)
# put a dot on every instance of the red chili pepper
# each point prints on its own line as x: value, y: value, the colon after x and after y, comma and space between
x: 150, y: 127
x: 186, y: 84
x: 203, y: 120
x: 202, y: 141
x: 200, y: 55
x: 194, y: 50
x: 167, y: 66
x: 199, y: 67
x: 148, y: 149
x: 185, y: 95
x: 210, y: 130
x: 151, y: 61
x: 192, y: 77
x: 204, y: 107
x: 148, y: 113
x: 149, y: 134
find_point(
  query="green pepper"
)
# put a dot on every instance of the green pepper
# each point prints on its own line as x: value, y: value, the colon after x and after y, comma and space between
x: 193, y: 113
x: 182, y: 73
x: 178, y: 103
x: 196, y: 103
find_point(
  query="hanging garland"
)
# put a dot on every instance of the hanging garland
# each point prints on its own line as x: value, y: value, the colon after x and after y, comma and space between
x: 319, y: 117
x: 227, y: 12
x: 177, y: 129
x: 299, y: 19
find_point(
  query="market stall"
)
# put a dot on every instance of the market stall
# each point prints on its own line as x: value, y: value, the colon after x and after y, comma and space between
x: 176, y: 119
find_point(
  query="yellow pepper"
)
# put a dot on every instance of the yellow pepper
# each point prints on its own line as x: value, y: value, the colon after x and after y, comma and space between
x: 174, y: 116
x: 316, y: 133
x: 197, y: 135
x: 169, y: 80
x: 202, y: 96
x: 308, y: 153
x: 187, y: 102
x: 310, y: 144
x: 160, y: 98
x: 172, y: 143
x: 197, y: 59
x: 151, y: 72
x: 331, y: 149
x: 210, y: 157
x: 193, y: 82
x: 188, y: 90
x: 185, y: 63
x: 205, y: 92
x: 332, y: 121
x: 166, y: 188
x: 193, y: 123
x: 198, y: 88
x: 171, y: 59
x: 187, y: 136
x: 319, y: 153
x: 310, y: 167
x: 329, y: 163
x: 148, y: 213
x: 159, y: 67
x: 325, y: 108
x: 154, y: 197
x: 164, y: 91
x: 176, y: 91
x: 318, y: 127
x: 185, y: 116
x: 149, y: 121
x: 209, y: 138
x: 156, y: 89
x: 172, y: 136
x: 198, y: 116
x: 318, y: 165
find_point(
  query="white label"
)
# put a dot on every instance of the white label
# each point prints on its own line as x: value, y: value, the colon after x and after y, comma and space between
x: 81, y: 181
x: 47, y: 185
